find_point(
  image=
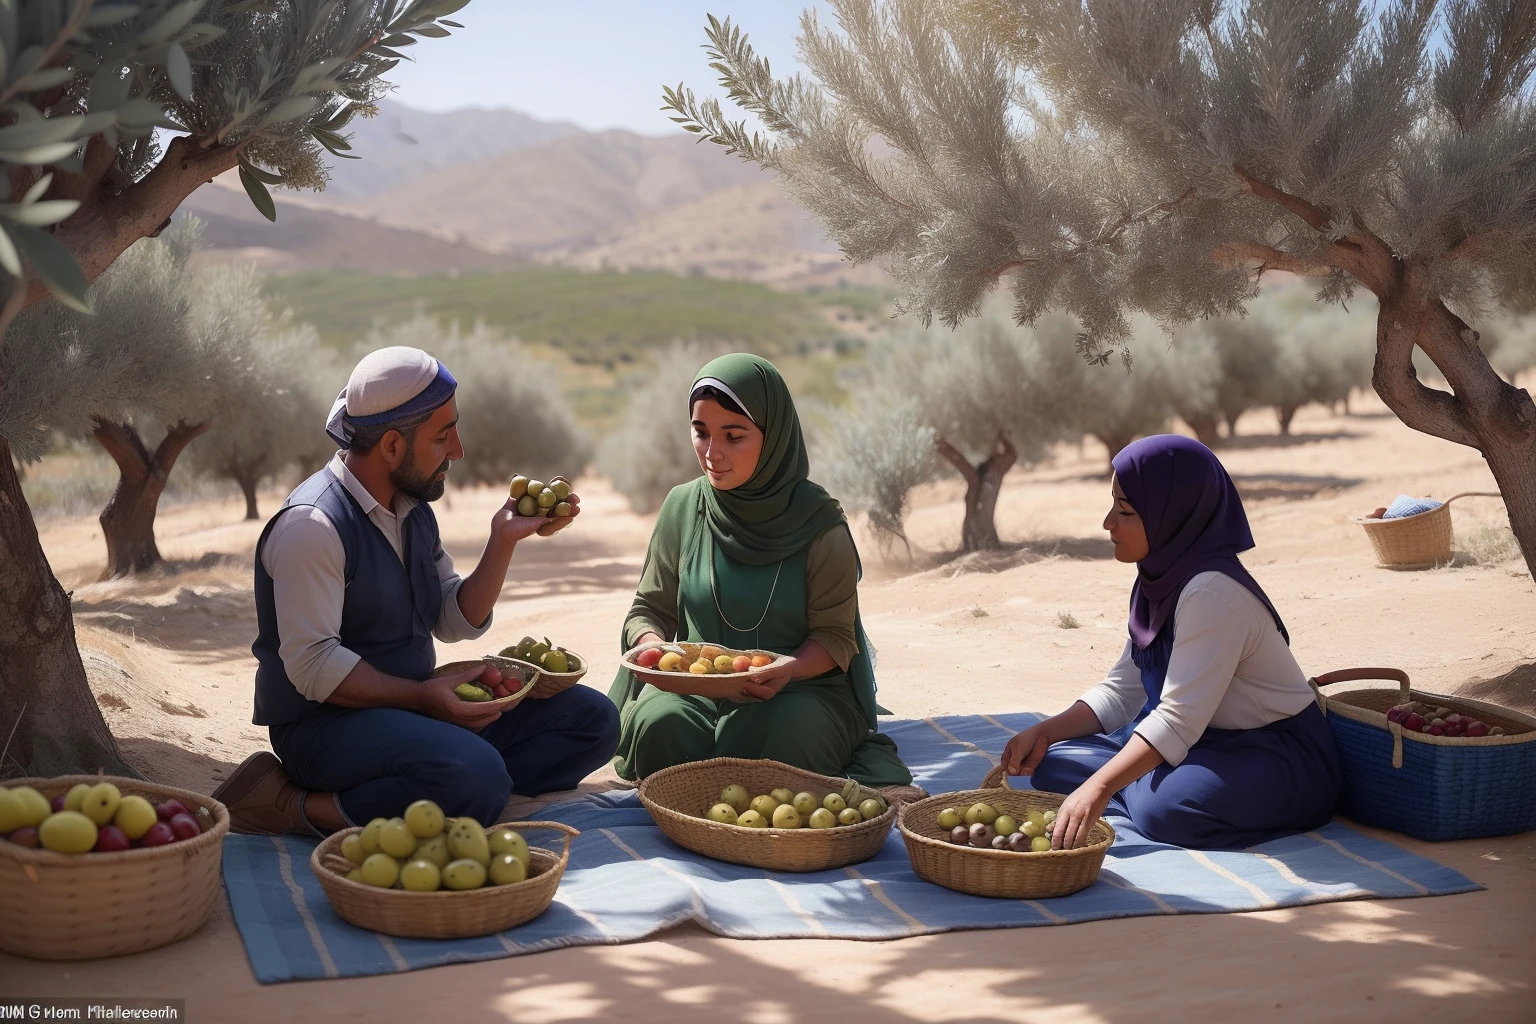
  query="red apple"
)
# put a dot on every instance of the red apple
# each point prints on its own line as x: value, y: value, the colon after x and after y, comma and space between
x: 1477, y: 729
x: 26, y: 836
x: 648, y: 657
x: 158, y: 835
x: 111, y: 839
x: 1454, y: 728
x: 1414, y: 722
x: 169, y: 809
x: 1395, y: 714
x: 741, y: 663
x: 1437, y: 730
x: 184, y: 826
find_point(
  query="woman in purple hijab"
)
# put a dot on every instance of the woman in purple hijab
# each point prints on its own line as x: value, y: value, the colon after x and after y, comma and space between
x: 1205, y: 733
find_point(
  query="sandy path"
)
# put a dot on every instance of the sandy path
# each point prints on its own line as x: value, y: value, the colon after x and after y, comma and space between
x: 979, y: 635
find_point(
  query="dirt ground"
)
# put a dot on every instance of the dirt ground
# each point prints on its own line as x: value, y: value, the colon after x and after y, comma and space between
x: 169, y: 660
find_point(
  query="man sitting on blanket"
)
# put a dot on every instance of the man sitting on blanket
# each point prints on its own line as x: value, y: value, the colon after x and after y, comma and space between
x: 352, y: 583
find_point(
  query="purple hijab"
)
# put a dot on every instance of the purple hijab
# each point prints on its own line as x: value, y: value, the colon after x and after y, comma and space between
x: 1195, y: 523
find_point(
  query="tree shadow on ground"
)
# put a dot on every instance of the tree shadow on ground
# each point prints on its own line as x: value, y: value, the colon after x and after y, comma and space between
x: 170, y: 764
x: 1248, y: 442
x: 1289, y: 486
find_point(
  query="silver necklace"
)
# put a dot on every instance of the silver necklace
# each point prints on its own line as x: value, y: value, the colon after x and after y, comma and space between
x: 714, y: 591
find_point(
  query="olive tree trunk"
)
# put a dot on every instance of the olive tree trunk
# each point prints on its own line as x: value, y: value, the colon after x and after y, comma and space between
x: 1203, y: 424
x: 128, y: 521
x: 47, y: 713
x: 1116, y: 443
x: 248, y: 488
x: 1286, y: 414
x: 983, y: 483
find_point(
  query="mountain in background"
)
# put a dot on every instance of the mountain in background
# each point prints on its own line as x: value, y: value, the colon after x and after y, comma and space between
x: 480, y: 189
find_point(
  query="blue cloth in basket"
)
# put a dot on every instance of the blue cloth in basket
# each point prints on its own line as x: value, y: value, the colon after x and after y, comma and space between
x: 627, y: 881
x: 1405, y: 506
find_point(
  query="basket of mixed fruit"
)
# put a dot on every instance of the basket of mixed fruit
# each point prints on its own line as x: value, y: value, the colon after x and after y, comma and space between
x: 558, y: 668
x: 426, y: 876
x: 995, y: 841
x: 94, y: 866
x: 767, y: 814
x: 705, y: 670
x: 501, y: 686
x: 1428, y: 765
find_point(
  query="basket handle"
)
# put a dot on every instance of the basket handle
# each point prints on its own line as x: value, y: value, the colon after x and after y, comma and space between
x: 1346, y: 675
x: 1473, y: 494
x: 997, y: 777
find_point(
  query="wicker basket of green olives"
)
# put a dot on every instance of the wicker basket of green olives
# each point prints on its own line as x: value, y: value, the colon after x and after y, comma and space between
x: 799, y: 820
x: 1019, y: 867
x: 426, y: 876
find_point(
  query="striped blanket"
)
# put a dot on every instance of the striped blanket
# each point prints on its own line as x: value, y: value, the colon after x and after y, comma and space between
x: 627, y: 881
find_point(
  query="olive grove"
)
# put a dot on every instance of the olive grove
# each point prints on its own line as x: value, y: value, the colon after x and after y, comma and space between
x: 1106, y: 157
x: 84, y: 86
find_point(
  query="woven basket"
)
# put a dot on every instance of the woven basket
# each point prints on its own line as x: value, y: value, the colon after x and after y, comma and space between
x: 548, y: 683
x: 679, y: 796
x: 443, y: 914
x: 1002, y: 873
x: 526, y: 673
x: 1420, y: 541
x: 1430, y: 787
x: 81, y: 906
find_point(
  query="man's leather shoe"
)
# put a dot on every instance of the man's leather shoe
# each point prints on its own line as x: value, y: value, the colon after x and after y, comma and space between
x: 262, y: 800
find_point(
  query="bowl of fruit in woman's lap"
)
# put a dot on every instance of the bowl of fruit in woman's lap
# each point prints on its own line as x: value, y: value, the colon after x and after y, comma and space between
x: 701, y: 669
x: 94, y: 866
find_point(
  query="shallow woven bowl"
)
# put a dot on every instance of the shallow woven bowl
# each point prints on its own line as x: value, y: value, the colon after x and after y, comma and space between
x: 680, y: 796
x: 1002, y: 873
x: 81, y: 906
x: 443, y: 914
x: 548, y: 683
x: 529, y: 674
x: 715, y: 686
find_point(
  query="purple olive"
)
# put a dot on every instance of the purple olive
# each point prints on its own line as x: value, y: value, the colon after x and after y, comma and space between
x: 1018, y: 842
x: 960, y: 835
x: 981, y: 834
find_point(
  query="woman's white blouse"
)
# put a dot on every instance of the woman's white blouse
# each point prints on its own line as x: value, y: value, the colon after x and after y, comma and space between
x: 1230, y: 669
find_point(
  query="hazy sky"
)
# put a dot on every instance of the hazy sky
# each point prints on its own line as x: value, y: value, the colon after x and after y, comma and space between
x: 599, y: 63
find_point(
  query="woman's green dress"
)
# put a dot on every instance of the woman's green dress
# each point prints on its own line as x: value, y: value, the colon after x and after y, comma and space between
x: 724, y: 573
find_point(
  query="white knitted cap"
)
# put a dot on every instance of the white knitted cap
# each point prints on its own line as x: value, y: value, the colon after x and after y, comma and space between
x: 387, y: 379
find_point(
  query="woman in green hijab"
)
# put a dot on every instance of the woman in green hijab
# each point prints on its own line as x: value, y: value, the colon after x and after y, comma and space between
x: 754, y: 555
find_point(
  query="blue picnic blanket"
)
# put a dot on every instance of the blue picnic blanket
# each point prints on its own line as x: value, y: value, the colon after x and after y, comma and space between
x: 626, y: 881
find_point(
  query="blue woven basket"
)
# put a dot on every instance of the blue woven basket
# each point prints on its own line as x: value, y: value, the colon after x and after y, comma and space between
x: 1430, y: 787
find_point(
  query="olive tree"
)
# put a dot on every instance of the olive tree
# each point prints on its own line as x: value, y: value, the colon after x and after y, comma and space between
x: 651, y: 450
x: 84, y: 87
x: 143, y: 376
x: 273, y: 419
x: 876, y: 452
x: 977, y: 394
x: 1321, y: 357
x: 512, y: 412
x: 1114, y: 403
x: 1117, y: 155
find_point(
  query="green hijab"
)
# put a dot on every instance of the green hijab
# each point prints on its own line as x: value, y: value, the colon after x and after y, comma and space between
x: 778, y: 511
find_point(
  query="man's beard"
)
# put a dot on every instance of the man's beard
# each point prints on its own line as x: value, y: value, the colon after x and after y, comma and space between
x: 421, y: 486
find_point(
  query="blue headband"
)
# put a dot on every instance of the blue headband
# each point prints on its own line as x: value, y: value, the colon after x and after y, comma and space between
x: 341, y: 426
